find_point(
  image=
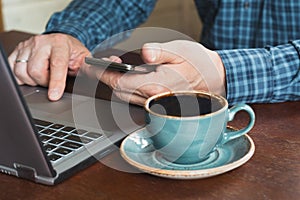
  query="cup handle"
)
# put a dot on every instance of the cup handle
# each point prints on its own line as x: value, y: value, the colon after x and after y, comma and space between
x: 227, y: 136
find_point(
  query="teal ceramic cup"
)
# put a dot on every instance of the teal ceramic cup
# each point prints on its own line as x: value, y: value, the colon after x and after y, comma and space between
x: 186, y: 126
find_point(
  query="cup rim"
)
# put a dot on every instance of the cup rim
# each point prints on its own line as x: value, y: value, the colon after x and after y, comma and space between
x: 147, y: 102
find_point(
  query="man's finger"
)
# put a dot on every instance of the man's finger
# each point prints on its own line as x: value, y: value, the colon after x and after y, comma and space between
x: 160, y: 53
x: 59, y: 62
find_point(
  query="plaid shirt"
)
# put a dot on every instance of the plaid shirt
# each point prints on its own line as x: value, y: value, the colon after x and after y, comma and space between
x: 258, y: 40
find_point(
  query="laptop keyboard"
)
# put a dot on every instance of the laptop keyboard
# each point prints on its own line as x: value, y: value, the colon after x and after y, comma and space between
x: 60, y: 141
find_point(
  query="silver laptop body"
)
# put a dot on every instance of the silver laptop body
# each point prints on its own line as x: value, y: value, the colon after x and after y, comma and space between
x: 36, y: 134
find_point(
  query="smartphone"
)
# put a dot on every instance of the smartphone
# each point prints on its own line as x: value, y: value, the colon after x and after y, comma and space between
x: 122, y: 67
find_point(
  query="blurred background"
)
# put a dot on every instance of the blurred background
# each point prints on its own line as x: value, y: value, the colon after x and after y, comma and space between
x: 32, y: 15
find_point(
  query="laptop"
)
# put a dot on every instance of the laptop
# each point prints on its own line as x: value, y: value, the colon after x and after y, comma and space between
x: 48, y: 142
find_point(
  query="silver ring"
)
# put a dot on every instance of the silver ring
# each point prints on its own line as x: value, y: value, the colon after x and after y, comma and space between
x: 21, y: 60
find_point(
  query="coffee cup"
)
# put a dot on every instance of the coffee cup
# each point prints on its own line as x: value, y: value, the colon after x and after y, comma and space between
x: 187, y: 126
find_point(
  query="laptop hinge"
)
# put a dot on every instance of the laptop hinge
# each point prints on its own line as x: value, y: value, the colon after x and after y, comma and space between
x: 25, y: 172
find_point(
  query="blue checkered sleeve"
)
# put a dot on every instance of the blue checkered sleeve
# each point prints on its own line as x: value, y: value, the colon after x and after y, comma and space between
x: 93, y: 21
x: 270, y: 74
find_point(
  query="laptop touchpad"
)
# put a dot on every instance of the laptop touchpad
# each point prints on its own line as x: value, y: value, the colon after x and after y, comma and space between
x: 38, y: 101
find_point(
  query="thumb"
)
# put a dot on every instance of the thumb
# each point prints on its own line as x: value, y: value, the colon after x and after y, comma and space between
x: 160, y: 53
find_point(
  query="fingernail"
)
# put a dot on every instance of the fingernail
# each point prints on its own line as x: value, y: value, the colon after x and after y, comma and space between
x: 152, y: 51
x: 54, y: 94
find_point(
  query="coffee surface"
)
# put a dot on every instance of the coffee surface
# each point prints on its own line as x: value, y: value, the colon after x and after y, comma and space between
x: 185, y: 105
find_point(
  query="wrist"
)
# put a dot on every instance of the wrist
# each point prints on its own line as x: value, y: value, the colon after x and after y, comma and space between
x: 220, y: 79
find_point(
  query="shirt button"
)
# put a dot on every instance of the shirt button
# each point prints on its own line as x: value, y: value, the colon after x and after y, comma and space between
x: 246, y: 5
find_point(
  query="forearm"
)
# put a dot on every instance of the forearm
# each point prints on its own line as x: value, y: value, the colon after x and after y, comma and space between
x: 93, y: 21
x: 268, y: 74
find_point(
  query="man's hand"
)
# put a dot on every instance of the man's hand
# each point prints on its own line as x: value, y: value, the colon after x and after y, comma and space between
x: 46, y: 60
x: 183, y: 65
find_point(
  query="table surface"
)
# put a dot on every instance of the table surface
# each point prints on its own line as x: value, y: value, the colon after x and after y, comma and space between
x: 272, y: 173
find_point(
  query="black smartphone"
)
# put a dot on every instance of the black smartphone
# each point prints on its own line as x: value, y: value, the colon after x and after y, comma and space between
x: 122, y: 67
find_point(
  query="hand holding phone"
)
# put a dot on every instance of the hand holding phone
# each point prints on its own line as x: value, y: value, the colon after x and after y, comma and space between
x: 122, y: 67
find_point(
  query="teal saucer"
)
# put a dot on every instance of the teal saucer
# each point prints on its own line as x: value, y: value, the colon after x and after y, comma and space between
x: 137, y: 150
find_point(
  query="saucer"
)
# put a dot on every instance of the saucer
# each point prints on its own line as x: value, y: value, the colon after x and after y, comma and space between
x: 137, y: 150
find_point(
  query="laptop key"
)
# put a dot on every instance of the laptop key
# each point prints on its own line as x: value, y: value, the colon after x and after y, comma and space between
x: 41, y: 122
x: 75, y: 138
x: 47, y: 131
x: 56, y: 126
x: 68, y: 129
x: 60, y: 134
x: 93, y: 135
x: 72, y: 145
x: 63, y: 151
x: 45, y: 138
x: 79, y: 132
x: 39, y: 128
x: 49, y: 147
x: 56, y: 141
x: 54, y: 157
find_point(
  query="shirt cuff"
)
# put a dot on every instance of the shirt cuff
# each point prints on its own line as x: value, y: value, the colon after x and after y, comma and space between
x: 265, y: 75
x: 248, y: 75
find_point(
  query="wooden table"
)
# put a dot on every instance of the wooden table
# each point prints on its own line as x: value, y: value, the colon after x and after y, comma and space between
x: 272, y: 173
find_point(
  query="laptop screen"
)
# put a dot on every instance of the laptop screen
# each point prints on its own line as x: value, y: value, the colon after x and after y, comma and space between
x: 20, y: 148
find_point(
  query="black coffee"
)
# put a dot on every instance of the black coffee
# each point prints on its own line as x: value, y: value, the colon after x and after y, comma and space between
x: 185, y: 105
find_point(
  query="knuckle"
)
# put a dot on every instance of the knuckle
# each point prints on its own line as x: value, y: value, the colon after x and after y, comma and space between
x: 18, y: 73
x: 39, y: 39
x: 34, y: 72
x: 57, y: 37
x: 109, y: 79
x: 36, y: 39
x: 20, y: 45
x: 114, y: 83
x: 57, y: 62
